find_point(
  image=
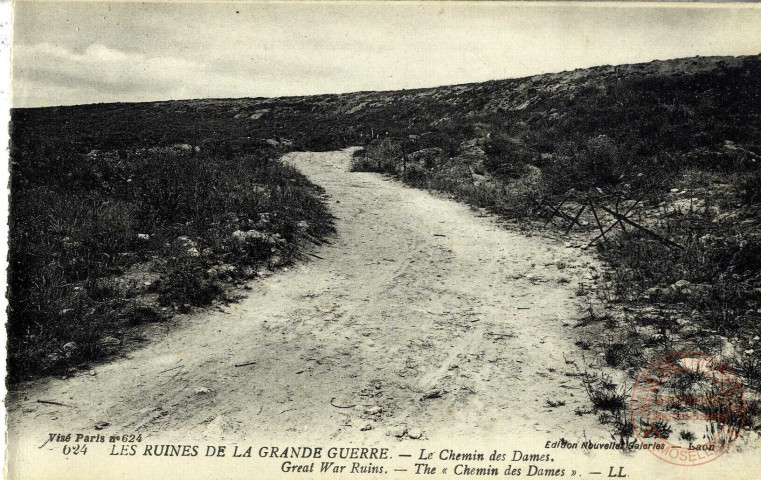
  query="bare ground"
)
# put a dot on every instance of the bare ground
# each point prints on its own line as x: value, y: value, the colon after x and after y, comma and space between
x: 421, y: 316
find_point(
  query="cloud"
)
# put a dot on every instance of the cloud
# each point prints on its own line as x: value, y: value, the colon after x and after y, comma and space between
x: 84, y: 52
x: 46, y: 74
x: 98, y: 73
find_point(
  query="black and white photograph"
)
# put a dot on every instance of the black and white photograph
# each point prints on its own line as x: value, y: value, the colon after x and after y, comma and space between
x: 383, y: 240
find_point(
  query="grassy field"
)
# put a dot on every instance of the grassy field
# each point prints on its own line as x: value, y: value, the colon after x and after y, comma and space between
x: 685, y: 139
x: 682, y: 140
x: 112, y: 238
x: 155, y: 192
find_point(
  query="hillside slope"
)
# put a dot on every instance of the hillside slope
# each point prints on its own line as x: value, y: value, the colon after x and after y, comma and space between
x: 677, y: 91
x: 387, y: 337
x: 682, y: 135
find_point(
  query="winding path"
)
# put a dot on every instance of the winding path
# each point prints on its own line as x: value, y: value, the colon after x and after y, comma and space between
x: 421, y: 317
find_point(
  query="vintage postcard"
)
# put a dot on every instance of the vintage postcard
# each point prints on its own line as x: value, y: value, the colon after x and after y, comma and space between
x: 384, y: 240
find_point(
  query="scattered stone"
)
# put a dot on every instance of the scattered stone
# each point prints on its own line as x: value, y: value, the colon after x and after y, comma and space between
x: 202, y: 391
x: 727, y: 350
x: 191, y: 247
x: 70, y: 347
x: 143, y: 236
x: 398, y: 432
x: 432, y: 394
x: 218, y: 428
x: 682, y: 284
x: 110, y: 341
x: 366, y: 428
x: 259, y: 114
x: 414, y: 433
x: 682, y: 322
x: 182, y: 147
x: 374, y: 410
x: 243, y: 237
x: 690, y: 329
x: 655, y: 292
x: 101, y: 425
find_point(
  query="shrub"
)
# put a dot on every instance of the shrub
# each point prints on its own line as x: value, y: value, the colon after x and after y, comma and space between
x: 382, y: 156
x: 506, y: 158
x: 73, y: 234
x: 605, y: 395
x: 749, y: 188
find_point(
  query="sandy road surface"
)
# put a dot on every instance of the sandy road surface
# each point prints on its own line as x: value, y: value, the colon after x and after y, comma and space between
x: 421, y: 316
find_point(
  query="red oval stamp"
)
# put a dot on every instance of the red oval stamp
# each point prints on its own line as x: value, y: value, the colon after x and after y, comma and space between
x: 687, y: 408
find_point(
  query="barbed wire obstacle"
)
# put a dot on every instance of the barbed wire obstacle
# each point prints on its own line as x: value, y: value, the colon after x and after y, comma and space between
x: 597, y: 204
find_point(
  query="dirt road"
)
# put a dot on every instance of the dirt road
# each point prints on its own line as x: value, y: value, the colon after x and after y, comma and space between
x: 421, y: 317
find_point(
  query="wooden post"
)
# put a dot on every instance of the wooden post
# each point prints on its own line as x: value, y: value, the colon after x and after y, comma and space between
x: 612, y: 226
x: 644, y: 229
x: 472, y: 180
x: 597, y: 219
x: 555, y: 211
x: 575, y: 220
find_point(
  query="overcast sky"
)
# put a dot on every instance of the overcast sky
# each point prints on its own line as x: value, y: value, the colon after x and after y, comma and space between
x: 76, y: 52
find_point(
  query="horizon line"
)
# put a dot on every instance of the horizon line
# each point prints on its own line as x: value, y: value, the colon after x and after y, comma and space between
x: 354, y: 92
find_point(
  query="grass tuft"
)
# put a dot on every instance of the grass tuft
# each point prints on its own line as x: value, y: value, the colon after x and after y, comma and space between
x: 130, y: 236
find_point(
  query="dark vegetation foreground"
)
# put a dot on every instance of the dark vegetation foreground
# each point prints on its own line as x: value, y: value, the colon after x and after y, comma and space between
x: 125, y: 213
x: 108, y: 238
